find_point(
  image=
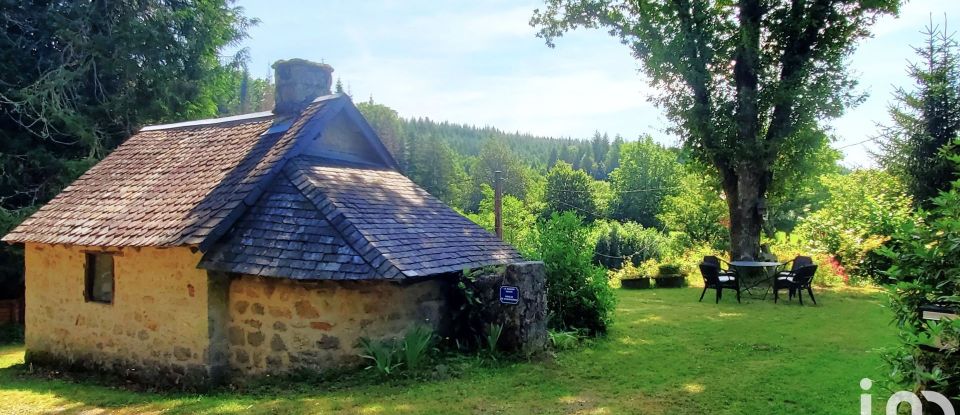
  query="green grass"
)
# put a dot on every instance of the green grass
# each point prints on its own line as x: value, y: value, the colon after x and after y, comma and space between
x: 666, y: 354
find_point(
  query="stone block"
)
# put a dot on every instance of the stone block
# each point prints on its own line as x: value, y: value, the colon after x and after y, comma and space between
x: 525, y: 323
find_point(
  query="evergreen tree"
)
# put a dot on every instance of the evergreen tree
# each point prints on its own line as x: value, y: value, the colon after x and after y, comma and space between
x: 386, y: 123
x: 925, y: 120
x: 434, y: 167
x: 586, y: 163
x: 600, y: 146
x: 612, y: 160
x: 552, y: 160
x: 79, y: 77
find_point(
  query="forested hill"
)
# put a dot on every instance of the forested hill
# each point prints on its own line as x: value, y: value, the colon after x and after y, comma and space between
x: 409, y: 139
x: 468, y: 140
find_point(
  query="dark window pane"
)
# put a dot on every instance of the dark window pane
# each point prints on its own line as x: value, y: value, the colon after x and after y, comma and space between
x: 100, y: 277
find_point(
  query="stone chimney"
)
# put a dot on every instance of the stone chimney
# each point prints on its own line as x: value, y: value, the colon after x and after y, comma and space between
x: 299, y: 82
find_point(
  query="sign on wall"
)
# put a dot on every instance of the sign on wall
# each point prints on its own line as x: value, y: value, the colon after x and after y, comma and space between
x: 509, y: 294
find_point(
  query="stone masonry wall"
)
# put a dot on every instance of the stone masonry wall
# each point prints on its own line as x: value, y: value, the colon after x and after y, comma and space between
x: 279, y: 325
x: 524, y: 323
x: 156, y: 329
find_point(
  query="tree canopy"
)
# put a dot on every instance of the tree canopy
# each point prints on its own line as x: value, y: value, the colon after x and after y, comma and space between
x: 79, y: 77
x: 743, y: 82
x: 926, y: 119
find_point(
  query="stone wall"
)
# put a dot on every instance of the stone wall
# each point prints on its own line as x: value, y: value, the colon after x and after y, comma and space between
x: 279, y: 325
x: 524, y: 323
x: 156, y: 329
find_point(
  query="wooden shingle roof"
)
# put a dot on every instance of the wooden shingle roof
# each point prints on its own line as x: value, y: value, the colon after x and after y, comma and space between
x: 165, y: 187
x: 242, y: 191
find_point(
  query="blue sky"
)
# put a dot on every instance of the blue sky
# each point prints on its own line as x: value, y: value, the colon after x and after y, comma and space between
x: 479, y: 62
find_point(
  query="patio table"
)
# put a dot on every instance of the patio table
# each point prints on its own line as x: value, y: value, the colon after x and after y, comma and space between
x: 767, y: 275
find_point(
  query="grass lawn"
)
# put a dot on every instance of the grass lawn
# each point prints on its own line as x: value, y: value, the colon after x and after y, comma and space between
x: 666, y: 354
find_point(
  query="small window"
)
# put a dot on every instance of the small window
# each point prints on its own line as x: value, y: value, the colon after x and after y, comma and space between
x: 99, y: 279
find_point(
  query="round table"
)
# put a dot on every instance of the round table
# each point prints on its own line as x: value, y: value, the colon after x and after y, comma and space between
x: 765, y: 266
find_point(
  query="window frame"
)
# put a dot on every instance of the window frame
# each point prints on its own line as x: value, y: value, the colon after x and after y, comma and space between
x: 89, y: 268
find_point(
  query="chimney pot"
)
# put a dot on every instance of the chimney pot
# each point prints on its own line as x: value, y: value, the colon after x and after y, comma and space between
x: 298, y: 83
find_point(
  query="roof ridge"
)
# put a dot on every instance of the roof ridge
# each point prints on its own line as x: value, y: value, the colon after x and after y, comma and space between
x: 253, y: 116
x: 285, y: 173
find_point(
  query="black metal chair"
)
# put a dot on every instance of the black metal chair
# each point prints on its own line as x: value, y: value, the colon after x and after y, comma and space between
x: 796, y: 281
x: 712, y: 260
x: 713, y: 278
x: 795, y: 264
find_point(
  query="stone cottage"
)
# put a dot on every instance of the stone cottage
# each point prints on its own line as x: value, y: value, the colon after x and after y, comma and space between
x: 260, y: 243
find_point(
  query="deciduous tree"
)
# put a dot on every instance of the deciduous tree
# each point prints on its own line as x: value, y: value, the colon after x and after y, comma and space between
x: 743, y: 81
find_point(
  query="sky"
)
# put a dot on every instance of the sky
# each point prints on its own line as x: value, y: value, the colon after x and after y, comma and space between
x: 480, y: 63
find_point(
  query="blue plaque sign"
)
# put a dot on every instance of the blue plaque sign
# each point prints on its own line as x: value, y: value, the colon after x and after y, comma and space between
x: 509, y: 294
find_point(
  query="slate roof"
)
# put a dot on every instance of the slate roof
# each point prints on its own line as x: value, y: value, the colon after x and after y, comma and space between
x: 240, y: 190
x: 284, y: 235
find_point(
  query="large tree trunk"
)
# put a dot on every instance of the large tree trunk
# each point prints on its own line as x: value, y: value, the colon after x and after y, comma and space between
x: 745, y: 187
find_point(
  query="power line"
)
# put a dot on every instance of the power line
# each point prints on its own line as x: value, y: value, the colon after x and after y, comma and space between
x: 858, y: 143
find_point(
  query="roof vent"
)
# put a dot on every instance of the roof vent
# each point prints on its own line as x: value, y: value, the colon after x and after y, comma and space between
x: 298, y: 83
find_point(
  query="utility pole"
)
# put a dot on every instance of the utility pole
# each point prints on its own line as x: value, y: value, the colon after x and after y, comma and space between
x: 498, y: 203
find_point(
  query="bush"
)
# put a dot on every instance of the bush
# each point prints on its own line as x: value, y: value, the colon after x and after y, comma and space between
x: 628, y: 240
x: 863, y: 209
x: 578, y: 295
x: 668, y: 269
x: 926, y: 269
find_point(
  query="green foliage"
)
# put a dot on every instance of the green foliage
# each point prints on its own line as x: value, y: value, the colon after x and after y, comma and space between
x: 578, y: 295
x: 628, y: 240
x: 390, y: 129
x: 79, y: 77
x: 862, y: 210
x: 435, y: 167
x: 697, y: 210
x: 745, y: 83
x: 563, y: 340
x: 926, y: 119
x: 569, y: 190
x: 492, y: 338
x: 668, y: 269
x: 648, y: 172
x: 417, y: 343
x: 384, y: 355
x: 519, y: 223
x: 496, y: 156
x: 926, y: 270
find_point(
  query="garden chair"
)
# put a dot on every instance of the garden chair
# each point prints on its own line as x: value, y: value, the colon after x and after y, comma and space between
x: 795, y: 264
x: 713, y: 277
x: 712, y: 260
x: 796, y: 281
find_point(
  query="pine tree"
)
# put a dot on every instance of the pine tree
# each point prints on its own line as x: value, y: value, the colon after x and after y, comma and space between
x: 925, y: 120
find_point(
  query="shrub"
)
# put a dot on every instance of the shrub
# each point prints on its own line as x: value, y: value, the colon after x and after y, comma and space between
x: 926, y: 269
x: 628, y: 240
x: 578, y: 295
x: 863, y: 209
x: 668, y: 269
